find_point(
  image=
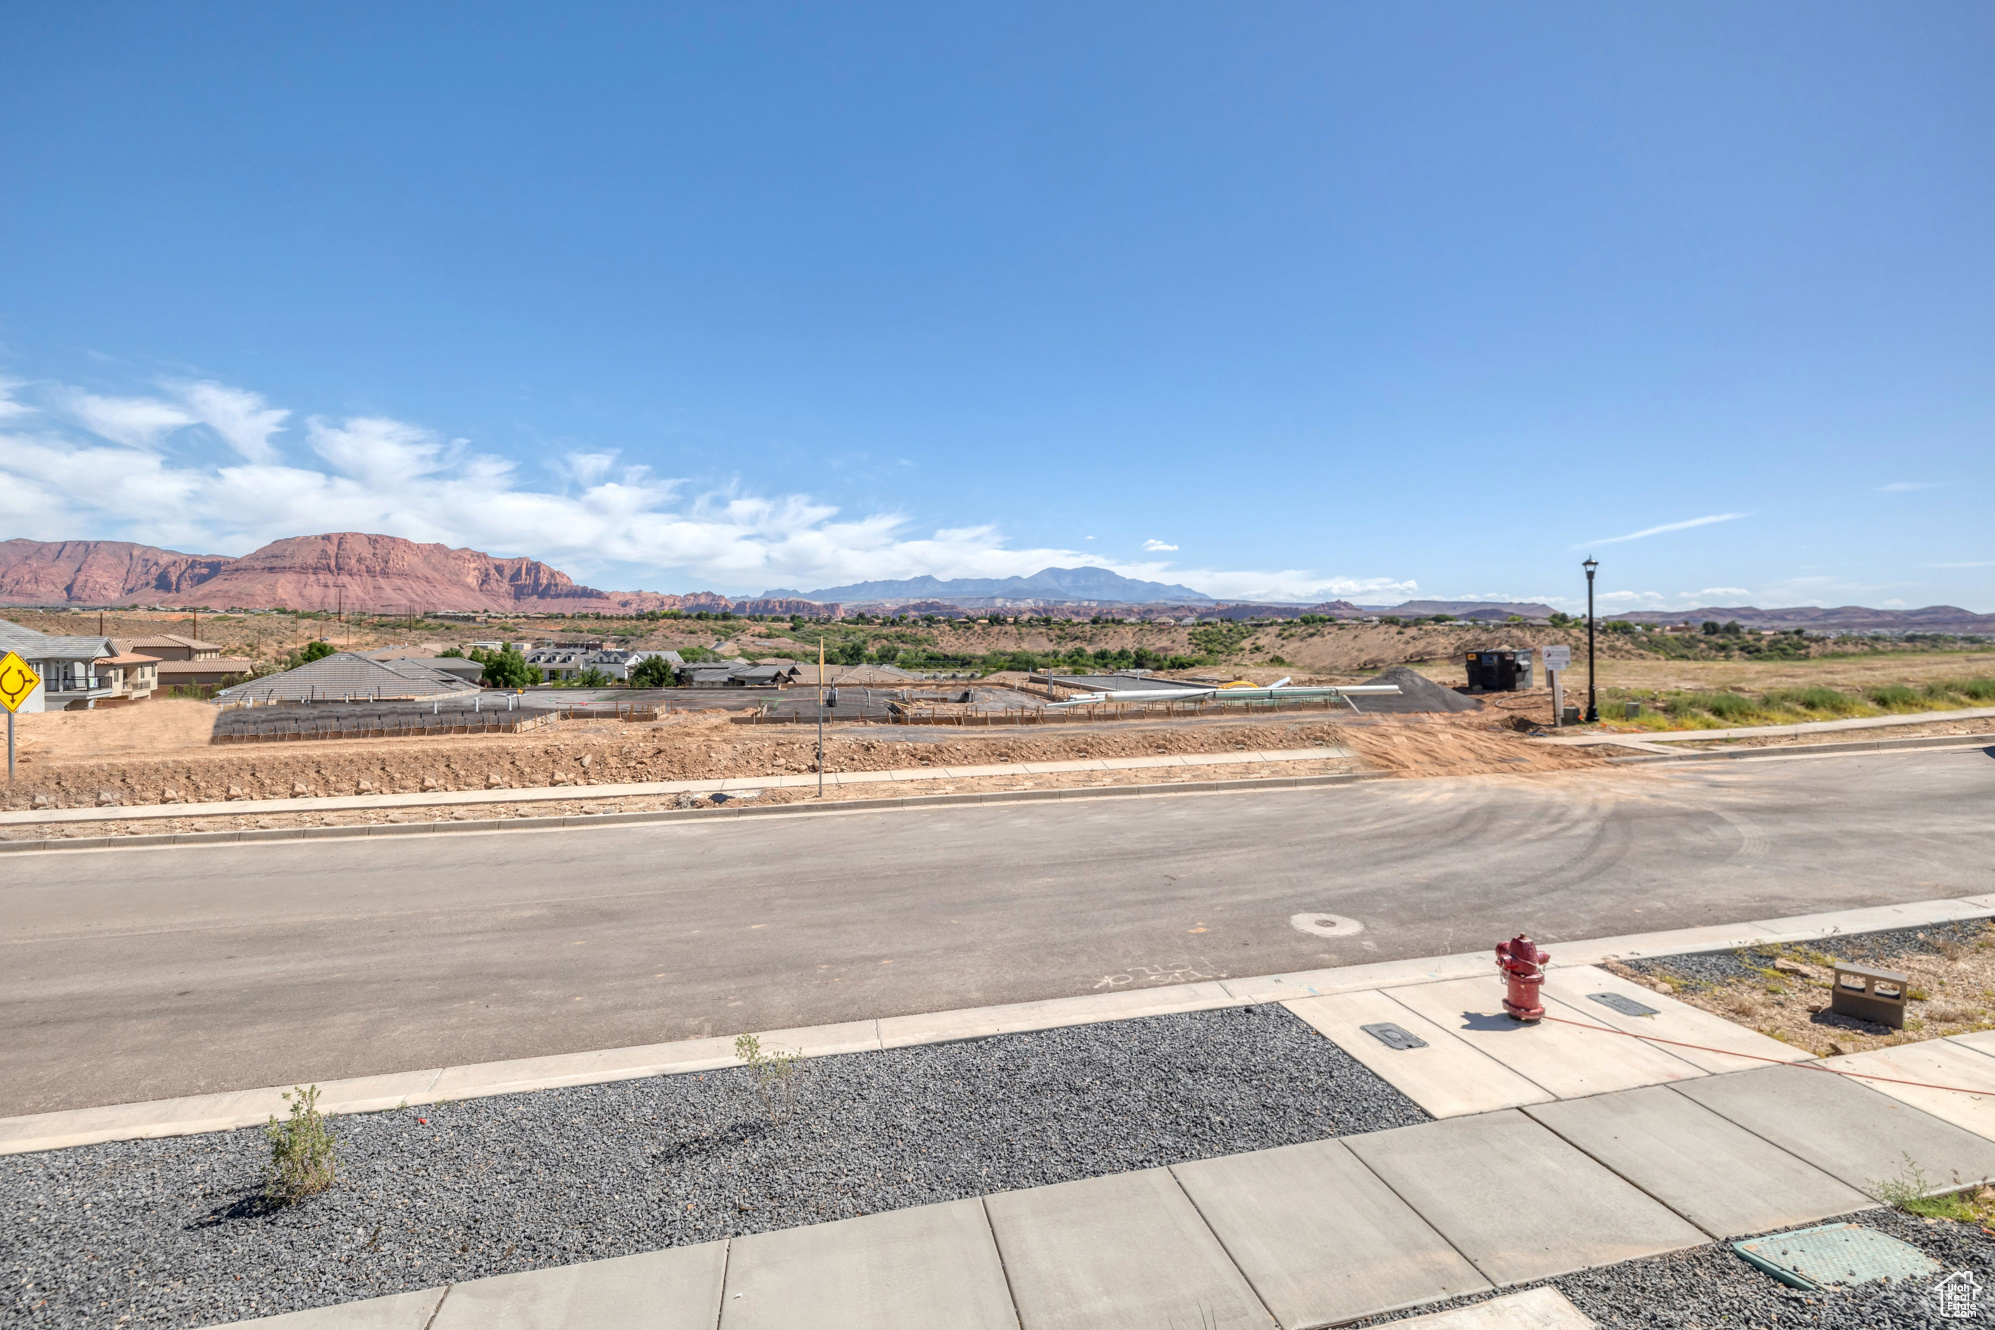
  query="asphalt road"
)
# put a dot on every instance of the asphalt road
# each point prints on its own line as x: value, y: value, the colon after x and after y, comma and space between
x: 139, y: 974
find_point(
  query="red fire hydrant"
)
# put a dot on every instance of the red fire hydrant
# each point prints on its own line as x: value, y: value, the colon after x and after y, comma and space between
x: 1523, y: 967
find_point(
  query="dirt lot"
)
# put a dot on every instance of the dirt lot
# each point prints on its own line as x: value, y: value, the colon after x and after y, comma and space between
x: 81, y: 759
x: 1640, y: 674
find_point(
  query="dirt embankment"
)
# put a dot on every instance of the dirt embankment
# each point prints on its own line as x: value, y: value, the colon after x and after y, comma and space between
x: 691, y: 746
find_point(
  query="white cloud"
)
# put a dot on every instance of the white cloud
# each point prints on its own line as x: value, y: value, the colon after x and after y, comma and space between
x: 135, y: 422
x: 10, y: 408
x: 1667, y: 526
x: 1158, y: 546
x: 1904, y: 486
x: 241, y: 418
x: 377, y: 474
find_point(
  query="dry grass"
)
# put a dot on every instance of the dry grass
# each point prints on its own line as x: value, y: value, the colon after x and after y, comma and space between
x: 1951, y: 993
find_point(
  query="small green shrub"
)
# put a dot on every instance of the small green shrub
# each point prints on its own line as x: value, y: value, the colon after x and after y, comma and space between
x: 1912, y: 1192
x: 1816, y: 698
x: 1725, y: 706
x: 1894, y: 695
x: 303, y: 1155
x: 776, y: 1076
x: 1976, y: 690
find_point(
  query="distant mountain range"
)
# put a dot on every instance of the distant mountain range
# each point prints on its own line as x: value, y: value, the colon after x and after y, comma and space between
x: 388, y: 574
x: 1842, y: 618
x: 348, y: 568
x: 1496, y: 611
x: 1048, y: 585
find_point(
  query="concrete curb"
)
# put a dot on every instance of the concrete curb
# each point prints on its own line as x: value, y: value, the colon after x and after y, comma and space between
x: 369, y: 1094
x: 181, y: 838
x: 1927, y: 741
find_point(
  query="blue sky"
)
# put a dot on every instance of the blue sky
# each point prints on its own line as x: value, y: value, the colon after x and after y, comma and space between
x: 1278, y: 300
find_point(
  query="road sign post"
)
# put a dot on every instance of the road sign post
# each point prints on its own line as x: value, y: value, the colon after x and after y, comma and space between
x: 1558, y: 659
x: 18, y: 682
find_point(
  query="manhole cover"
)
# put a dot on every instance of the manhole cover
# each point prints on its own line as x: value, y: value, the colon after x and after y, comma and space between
x: 1325, y: 925
x: 1392, y: 1036
x: 1627, y: 1006
x: 1833, y: 1254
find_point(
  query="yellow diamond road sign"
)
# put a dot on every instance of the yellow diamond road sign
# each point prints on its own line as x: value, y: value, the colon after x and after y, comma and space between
x: 17, y: 681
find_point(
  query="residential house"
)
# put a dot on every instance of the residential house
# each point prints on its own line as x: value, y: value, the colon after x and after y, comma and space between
x: 569, y: 662
x: 348, y: 676
x: 737, y: 674
x: 463, y: 667
x: 68, y: 666
x: 186, y: 662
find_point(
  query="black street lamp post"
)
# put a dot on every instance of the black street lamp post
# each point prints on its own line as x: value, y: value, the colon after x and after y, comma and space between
x: 1592, y: 701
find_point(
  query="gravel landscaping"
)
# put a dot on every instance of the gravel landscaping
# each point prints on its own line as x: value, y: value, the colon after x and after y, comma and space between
x: 173, y: 1231
x: 1713, y: 1288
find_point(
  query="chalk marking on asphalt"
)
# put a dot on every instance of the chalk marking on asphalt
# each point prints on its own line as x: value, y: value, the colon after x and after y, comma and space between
x: 245, y: 1108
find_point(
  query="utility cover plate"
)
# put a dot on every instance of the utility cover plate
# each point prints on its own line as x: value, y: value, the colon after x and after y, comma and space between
x: 1835, y: 1254
x: 1627, y: 1006
x: 1392, y: 1036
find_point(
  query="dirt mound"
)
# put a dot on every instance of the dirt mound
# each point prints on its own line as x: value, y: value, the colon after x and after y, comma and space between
x: 1447, y: 746
x: 1417, y: 692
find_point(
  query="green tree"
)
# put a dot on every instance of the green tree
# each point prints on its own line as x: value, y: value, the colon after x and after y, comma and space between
x: 653, y: 672
x: 505, y: 668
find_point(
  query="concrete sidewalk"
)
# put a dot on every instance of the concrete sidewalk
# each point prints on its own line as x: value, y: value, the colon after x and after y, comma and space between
x: 1649, y: 1146
x: 1415, y: 994
x: 1638, y: 738
x: 730, y: 784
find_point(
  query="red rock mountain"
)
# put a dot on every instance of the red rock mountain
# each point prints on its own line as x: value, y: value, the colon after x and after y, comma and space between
x: 361, y: 572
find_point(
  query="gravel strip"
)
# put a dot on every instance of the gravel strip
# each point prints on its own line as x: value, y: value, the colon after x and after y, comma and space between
x: 173, y: 1232
x: 1723, y: 967
x: 1714, y: 1288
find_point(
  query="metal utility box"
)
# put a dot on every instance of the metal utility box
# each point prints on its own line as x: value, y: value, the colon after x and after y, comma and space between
x: 1870, y: 995
x: 1496, y: 671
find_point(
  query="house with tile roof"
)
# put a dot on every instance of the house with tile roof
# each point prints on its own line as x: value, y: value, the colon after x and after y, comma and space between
x: 348, y: 676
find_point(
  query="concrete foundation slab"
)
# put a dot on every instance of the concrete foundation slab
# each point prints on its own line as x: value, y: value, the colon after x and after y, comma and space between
x: 1448, y: 1078
x: 677, y: 1289
x: 1676, y: 1021
x: 1320, y: 1238
x: 1845, y: 1128
x: 1533, y: 1309
x: 1127, y: 1252
x: 399, y: 1311
x: 1711, y: 1171
x: 1468, y: 1176
x: 933, y: 1265
x: 1936, y: 1062
x: 1567, y: 1060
